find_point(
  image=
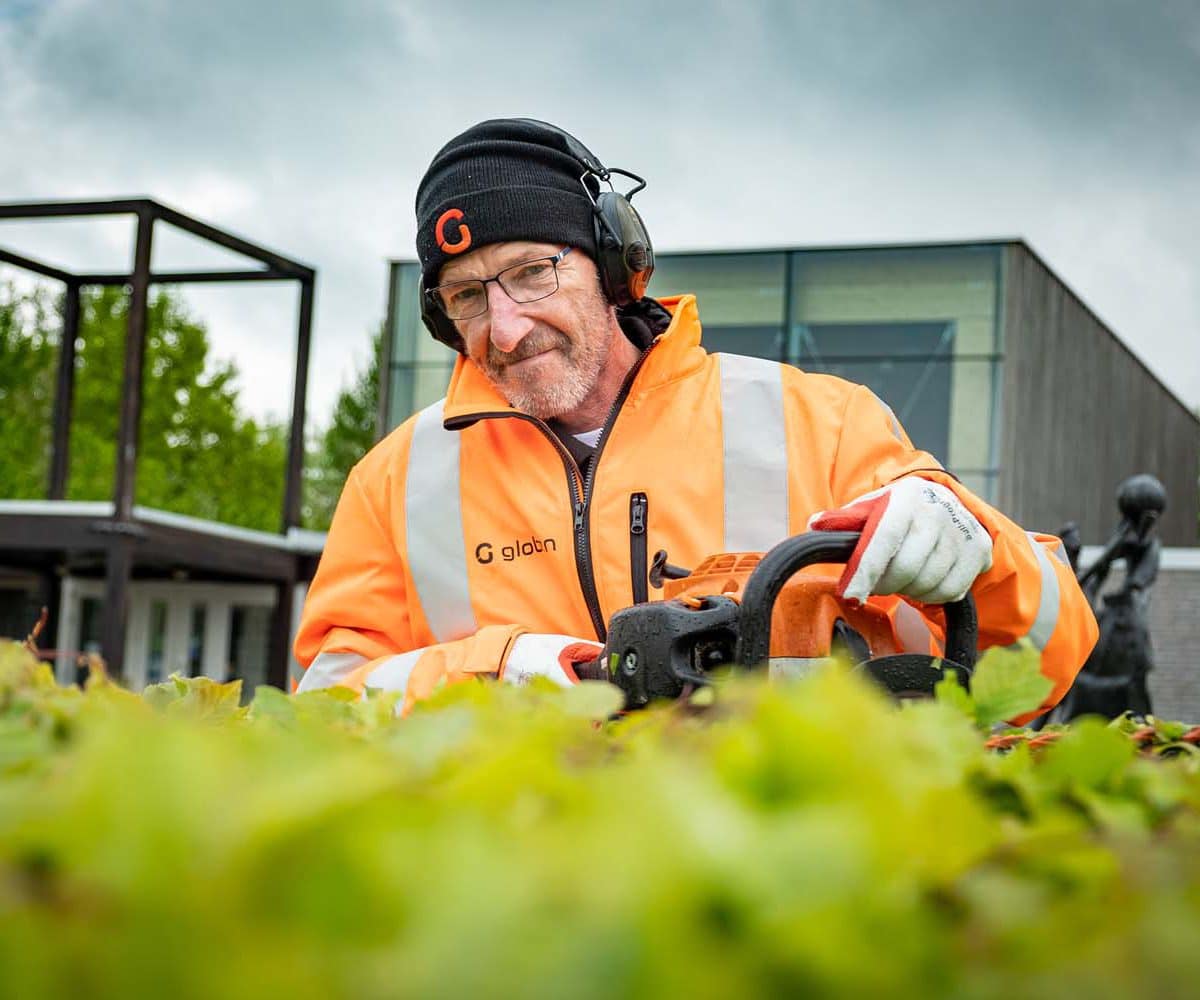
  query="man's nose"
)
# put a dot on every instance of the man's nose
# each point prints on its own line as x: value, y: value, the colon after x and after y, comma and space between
x: 509, y: 324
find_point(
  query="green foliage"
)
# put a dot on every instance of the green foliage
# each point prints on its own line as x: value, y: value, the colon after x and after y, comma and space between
x: 28, y: 353
x: 798, y: 839
x: 1007, y: 683
x: 199, y: 453
x: 350, y: 434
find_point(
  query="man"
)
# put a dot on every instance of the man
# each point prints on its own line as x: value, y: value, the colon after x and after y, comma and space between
x: 495, y: 533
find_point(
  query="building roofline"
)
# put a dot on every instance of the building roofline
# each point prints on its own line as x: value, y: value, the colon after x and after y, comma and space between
x: 959, y: 244
x: 1110, y: 331
x: 296, y: 540
x: 817, y: 247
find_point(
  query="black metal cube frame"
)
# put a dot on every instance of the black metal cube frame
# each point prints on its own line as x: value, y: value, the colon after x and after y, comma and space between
x: 119, y: 535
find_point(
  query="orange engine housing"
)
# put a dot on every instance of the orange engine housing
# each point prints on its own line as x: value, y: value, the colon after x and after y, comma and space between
x: 803, y: 620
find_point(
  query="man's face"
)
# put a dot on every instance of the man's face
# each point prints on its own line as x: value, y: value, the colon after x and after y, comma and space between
x: 544, y: 357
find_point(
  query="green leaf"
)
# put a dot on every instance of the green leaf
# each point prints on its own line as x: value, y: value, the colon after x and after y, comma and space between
x: 198, y: 697
x: 1007, y: 683
x: 948, y: 691
x: 595, y: 700
x: 161, y: 695
x: 21, y: 670
x: 1091, y: 754
x: 271, y: 703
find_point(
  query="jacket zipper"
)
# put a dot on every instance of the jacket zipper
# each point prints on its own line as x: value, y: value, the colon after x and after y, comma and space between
x: 583, y: 542
x: 638, y: 505
x: 581, y: 495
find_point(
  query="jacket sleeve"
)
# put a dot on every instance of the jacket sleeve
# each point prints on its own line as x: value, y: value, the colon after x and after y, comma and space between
x: 1029, y: 593
x: 357, y: 630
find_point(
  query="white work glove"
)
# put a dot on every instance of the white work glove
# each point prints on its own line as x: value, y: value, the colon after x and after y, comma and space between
x: 553, y: 656
x: 917, y: 540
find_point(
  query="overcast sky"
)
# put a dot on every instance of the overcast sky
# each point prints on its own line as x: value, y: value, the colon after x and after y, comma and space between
x: 306, y: 125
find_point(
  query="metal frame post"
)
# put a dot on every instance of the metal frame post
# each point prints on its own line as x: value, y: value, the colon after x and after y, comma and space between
x: 278, y: 650
x: 118, y: 567
x: 295, y: 462
x: 129, y: 431
x: 64, y: 393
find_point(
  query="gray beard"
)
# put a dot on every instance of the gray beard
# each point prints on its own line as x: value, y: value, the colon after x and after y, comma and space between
x: 585, y: 359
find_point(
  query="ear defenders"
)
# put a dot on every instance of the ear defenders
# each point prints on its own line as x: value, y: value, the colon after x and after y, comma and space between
x: 624, y: 253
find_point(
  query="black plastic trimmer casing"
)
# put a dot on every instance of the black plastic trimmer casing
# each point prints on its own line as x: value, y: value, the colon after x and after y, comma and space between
x: 664, y: 649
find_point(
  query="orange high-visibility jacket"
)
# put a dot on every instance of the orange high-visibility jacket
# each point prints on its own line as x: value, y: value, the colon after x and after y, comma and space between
x: 471, y: 523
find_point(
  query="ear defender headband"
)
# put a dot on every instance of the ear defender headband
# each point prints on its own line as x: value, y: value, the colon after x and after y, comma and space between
x: 624, y: 253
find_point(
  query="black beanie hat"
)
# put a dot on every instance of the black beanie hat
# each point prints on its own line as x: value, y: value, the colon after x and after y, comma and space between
x: 504, y: 179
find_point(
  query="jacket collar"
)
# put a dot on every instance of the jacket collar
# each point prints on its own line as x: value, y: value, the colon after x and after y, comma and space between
x: 676, y: 352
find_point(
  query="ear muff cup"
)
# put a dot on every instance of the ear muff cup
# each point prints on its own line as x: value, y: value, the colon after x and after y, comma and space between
x: 624, y: 253
x: 438, y: 323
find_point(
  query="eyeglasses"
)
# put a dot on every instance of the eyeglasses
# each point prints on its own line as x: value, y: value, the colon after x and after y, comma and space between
x: 527, y: 281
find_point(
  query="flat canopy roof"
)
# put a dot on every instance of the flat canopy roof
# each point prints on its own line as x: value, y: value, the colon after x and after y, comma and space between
x: 62, y: 529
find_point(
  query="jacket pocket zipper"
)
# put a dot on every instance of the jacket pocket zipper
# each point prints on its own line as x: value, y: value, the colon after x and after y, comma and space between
x: 638, y: 507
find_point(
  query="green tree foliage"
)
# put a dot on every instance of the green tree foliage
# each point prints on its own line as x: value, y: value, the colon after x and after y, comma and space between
x: 199, y: 454
x: 350, y: 435
x: 28, y: 352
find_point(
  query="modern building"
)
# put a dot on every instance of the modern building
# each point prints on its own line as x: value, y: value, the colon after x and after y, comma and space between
x: 988, y: 359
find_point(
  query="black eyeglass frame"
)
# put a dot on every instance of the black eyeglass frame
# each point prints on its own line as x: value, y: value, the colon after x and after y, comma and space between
x: 436, y: 300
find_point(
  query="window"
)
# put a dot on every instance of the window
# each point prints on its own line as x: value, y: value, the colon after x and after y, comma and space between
x: 907, y: 365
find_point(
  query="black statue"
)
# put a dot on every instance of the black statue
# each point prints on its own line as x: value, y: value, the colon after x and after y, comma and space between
x: 1072, y: 542
x: 1114, y: 678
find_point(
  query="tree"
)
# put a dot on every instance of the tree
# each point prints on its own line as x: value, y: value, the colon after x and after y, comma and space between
x: 198, y: 455
x: 28, y: 352
x: 349, y: 436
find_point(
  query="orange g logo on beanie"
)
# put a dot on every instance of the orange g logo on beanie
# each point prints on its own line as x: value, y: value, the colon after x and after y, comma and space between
x: 439, y: 232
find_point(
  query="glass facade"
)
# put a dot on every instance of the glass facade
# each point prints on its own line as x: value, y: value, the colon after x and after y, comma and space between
x: 919, y: 325
x: 419, y: 367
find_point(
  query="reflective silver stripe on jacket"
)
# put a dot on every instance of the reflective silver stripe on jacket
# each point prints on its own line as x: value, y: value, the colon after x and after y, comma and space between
x: 755, y: 451
x: 1059, y: 551
x: 329, y: 669
x: 433, y: 523
x: 1047, y: 613
x: 891, y: 417
x: 393, y: 673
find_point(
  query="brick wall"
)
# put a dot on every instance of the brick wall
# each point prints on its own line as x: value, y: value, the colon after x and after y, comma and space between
x: 1175, y: 632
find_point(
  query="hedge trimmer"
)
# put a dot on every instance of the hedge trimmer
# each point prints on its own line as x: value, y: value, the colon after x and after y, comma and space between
x: 777, y: 610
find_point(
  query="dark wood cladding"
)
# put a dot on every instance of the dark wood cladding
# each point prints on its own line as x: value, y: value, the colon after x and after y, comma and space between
x: 1081, y: 413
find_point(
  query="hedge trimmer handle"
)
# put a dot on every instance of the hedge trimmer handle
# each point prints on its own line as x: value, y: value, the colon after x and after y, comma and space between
x: 793, y: 554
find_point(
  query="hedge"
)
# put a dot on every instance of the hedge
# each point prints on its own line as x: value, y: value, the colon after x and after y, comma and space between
x: 807, y: 838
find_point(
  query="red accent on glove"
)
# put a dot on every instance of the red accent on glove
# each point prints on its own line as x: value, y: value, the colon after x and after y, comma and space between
x: 863, y: 517
x: 577, y: 652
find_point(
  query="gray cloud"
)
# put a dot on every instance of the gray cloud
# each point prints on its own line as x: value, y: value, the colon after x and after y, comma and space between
x: 306, y: 126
